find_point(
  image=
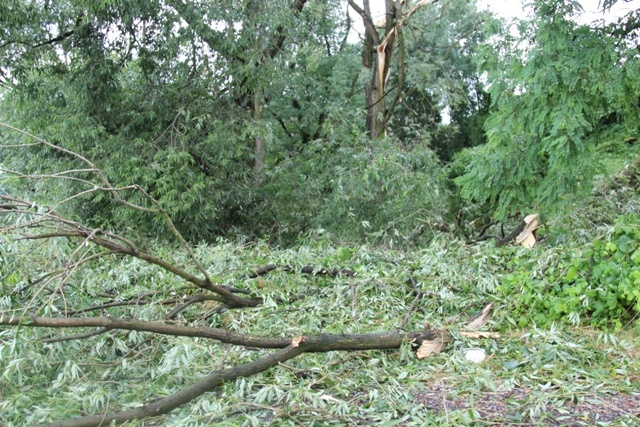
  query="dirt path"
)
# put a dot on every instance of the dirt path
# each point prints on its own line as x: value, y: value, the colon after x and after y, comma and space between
x: 521, y: 407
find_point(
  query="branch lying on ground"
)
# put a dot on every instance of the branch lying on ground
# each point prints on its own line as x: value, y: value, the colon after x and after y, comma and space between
x: 313, y: 343
x: 104, y: 185
x: 76, y: 336
x: 115, y: 244
x: 418, y: 293
x: 194, y: 299
x: 171, y: 402
x: 289, y: 348
x: 309, y: 269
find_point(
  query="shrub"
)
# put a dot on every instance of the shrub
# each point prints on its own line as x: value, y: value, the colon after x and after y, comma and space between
x: 375, y: 191
x: 599, y: 286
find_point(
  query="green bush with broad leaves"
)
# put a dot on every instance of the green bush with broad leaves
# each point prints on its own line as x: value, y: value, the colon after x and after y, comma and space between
x: 599, y: 286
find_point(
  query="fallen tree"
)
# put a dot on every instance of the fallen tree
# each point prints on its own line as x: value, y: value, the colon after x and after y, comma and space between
x: 288, y: 349
x: 24, y: 221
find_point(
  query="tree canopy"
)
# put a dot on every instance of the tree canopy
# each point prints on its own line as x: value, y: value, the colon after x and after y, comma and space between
x: 231, y: 113
x: 555, y: 88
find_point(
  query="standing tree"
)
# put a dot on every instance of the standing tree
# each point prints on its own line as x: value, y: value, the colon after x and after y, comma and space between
x: 551, y: 91
x: 377, y: 56
x: 435, y: 54
x: 260, y: 31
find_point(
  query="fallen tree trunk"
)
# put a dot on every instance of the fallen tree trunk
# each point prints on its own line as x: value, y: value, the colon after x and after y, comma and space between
x: 312, y: 343
x: 288, y: 349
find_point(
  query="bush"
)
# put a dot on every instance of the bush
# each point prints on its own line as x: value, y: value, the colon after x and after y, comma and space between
x: 375, y: 191
x: 599, y: 286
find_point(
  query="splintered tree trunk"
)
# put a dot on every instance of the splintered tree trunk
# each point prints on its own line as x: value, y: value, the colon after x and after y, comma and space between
x: 376, y: 56
x: 376, y: 109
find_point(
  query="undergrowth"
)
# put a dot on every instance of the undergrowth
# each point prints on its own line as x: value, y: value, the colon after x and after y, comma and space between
x: 596, y: 284
x: 566, y: 312
x: 123, y: 369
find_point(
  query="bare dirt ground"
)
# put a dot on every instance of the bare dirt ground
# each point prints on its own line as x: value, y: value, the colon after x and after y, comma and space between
x: 521, y: 407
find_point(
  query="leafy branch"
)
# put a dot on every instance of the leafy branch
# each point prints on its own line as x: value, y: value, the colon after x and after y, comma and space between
x: 25, y: 221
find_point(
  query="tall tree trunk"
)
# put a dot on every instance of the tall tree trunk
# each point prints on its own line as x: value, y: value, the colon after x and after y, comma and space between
x: 260, y: 148
x: 376, y: 56
x: 376, y: 108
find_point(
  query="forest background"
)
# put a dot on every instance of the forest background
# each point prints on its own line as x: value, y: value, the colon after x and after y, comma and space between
x: 158, y: 158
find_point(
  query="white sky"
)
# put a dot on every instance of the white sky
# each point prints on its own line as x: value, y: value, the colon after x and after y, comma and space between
x: 510, y: 9
x: 514, y: 9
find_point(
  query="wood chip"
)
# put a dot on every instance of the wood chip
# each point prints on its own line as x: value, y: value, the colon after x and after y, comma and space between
x: 435, y: 346
x: 481, y: 318
x: 295, y: 342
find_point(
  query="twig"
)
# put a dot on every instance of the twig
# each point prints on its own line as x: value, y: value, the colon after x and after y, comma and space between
x: 309, y: 269
x: 107, y: 305
x: 135, y: 348
x: 119, y: 244
x: 418, y: 293
x: 444, y: 400
x: 76, y: 336
x: 190, y: 301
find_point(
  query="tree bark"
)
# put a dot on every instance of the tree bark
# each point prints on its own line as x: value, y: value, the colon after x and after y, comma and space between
x: 312, y: 344
x: 376, y: 56
x: 260, y: 148
x: 288, y: 349
x: 376, y: 109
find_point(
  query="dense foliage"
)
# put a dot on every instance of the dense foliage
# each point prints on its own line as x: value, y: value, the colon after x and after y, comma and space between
x: 240, y: 118
x: 239, y: 213
x: 597, y: 285
x: 554, y: 89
